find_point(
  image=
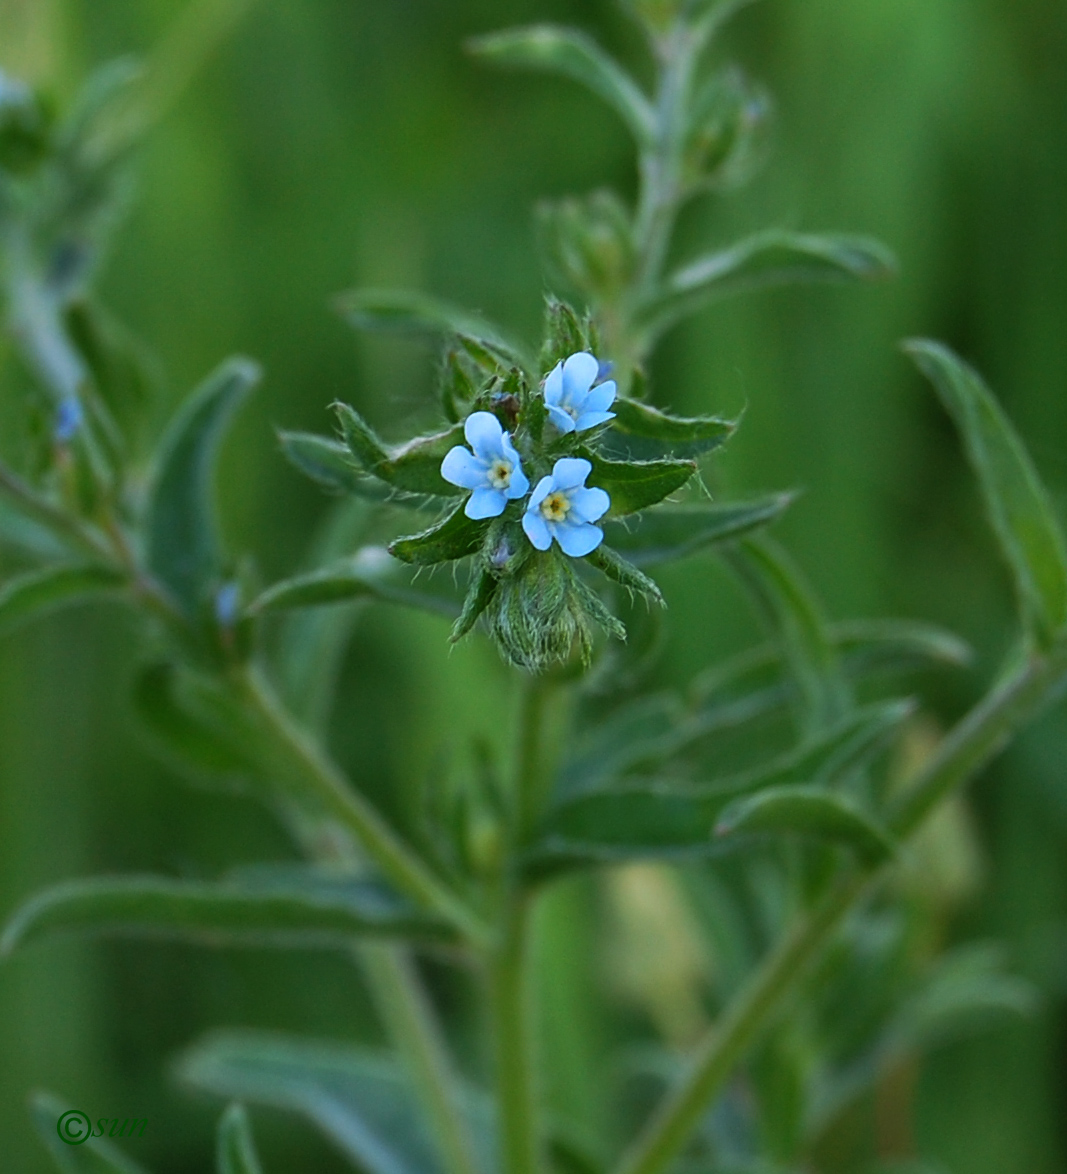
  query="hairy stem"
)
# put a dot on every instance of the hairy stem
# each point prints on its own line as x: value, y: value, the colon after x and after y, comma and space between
x: 970, y: 745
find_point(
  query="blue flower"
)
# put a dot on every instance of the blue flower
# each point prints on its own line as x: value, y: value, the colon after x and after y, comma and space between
x: 69, y: 419
x: 573, y: 403
x: 493, y: 471
x: 562, y: 508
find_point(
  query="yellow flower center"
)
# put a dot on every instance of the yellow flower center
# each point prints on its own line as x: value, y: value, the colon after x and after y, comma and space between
x: 555, y: 507
x: 499, y: 474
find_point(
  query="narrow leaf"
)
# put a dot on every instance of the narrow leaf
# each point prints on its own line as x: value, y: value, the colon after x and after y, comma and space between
x: 812, y: 812
x: 183, y: 544
x: 235, y: 1151
x: 571, y: 53
x: 870, y: 647
x: 414, y: 467
x: 612, y: 564
x: 455, y: 536
x: 270, y: 906
x: 678, y: 436
x: 768, y: 258
x: 95, y: 1155
x: 39, y: 592
x: 635, y: 485
x: 369, y: 574
x: 1022, y: 516
x: 479, y: 596
x: 671, y: 532
x: 362, y: 1100
x: 327, y: 462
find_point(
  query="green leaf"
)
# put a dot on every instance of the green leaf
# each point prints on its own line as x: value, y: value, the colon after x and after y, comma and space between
x: 871, y: 647
x: 769, y: 258
x: 40, y: 592
x: 455, y: 536
x: 235, y: 1151
x: 362, y: 1100
x: 414, y: 467
x: 662, y: 434
x: 571, y: 53
x: 479, y: 596
x: 671, y: 532
x: 286, y: 906
x: 811, y: 812
x: 183, y: 547
x: 327, y: 462
x: 95, y: 1155
x: 409, y: 312
x: 368, y: 574
x: 635, y: 485
x: 1022, y: 516
x: 625, y: 574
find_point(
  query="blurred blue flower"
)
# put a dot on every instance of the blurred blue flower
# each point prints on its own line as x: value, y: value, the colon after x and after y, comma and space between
x: 562, y: 508
x: 69, y: 419
x: 493, y: 472
x: 574, y: 399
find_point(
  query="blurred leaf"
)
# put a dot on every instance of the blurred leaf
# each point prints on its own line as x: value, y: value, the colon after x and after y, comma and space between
x: 769, y: 258
x: 577, y: 56
x: 625, y: 574
x: 325, y: 461
x: 811, y: 812
x: 360, y: 1099
x: 184, y: 550
x: 635, y: 485
x: 869, y: 647
x: 455, y: 536
x: 414, y: 467
x: 236, y: 1151
x: 1022, y: 516
x: 40, y: 592
x: 96, y: 1155
x: 409, y: 312
x: 284, y: 906
x: 369, y: 574
x: 671, y: 532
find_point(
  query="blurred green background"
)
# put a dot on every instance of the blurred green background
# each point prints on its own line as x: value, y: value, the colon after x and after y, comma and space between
x: 341, y: 142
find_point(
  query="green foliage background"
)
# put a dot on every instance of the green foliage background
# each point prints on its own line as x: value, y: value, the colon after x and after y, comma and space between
x: 342, y: 142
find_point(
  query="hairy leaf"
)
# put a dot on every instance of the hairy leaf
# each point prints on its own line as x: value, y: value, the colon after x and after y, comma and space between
x: 183, y: 546
x: 326, y: 461
x: 574, y: 55
x: 414, y: 467
x: 39, y: 592
x: 456, y: 536
x: 235, y: 1151
x: 612, y: 564
x: 1022, y: 516
x: 636, y: 485
x: 677, y: 435
x: 479, y: 596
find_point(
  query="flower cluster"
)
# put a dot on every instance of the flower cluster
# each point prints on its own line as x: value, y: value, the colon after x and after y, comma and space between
x: 561, y: 507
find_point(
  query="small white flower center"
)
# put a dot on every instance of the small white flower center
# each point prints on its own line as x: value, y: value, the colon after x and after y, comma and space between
x: 499, y: 473
x: 556, y: 506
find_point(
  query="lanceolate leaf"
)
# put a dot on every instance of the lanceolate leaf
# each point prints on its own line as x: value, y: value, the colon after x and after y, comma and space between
x: 183, y: 544
x: 625, y: 573
x: 96, y: 1155
x: 236, y: 1151
x: 39, y: 592
x: 673, y: 531
x: 414, y: 467
x: 768, y: 258
x: 573, y: 54
x: 362, y: 1100
x: 325, y: 461
x: 811, y: 812
x: 369, y: 574
x: 454, y: 537
x: 284, y: 906
x: 1018, y: 505
x: 682, y: 436
x: 635, y: 485
x: 479, y: 596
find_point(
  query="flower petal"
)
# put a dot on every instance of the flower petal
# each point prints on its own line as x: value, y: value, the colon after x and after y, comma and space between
x: 536, y: 530
x: 484, y: 432
x: 579, y: 373
x: 554, y: 385
x: 520, y: 483
x: 578, y: 541
x: 562, y: 420
x: 587, y: 505
x: 589, y: 420
x: 570, y: 472
x: 600, y: 398
x: 461, y: 468
x: 485, y: 503
x: 544, y: 488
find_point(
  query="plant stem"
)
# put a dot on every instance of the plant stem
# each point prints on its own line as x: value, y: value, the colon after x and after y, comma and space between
x: 413, y: 1027
x: 971, y: 744
x: 320, y: 779
x: 531, y: 773
x: 511, y: 1020
x: 59, y: 522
